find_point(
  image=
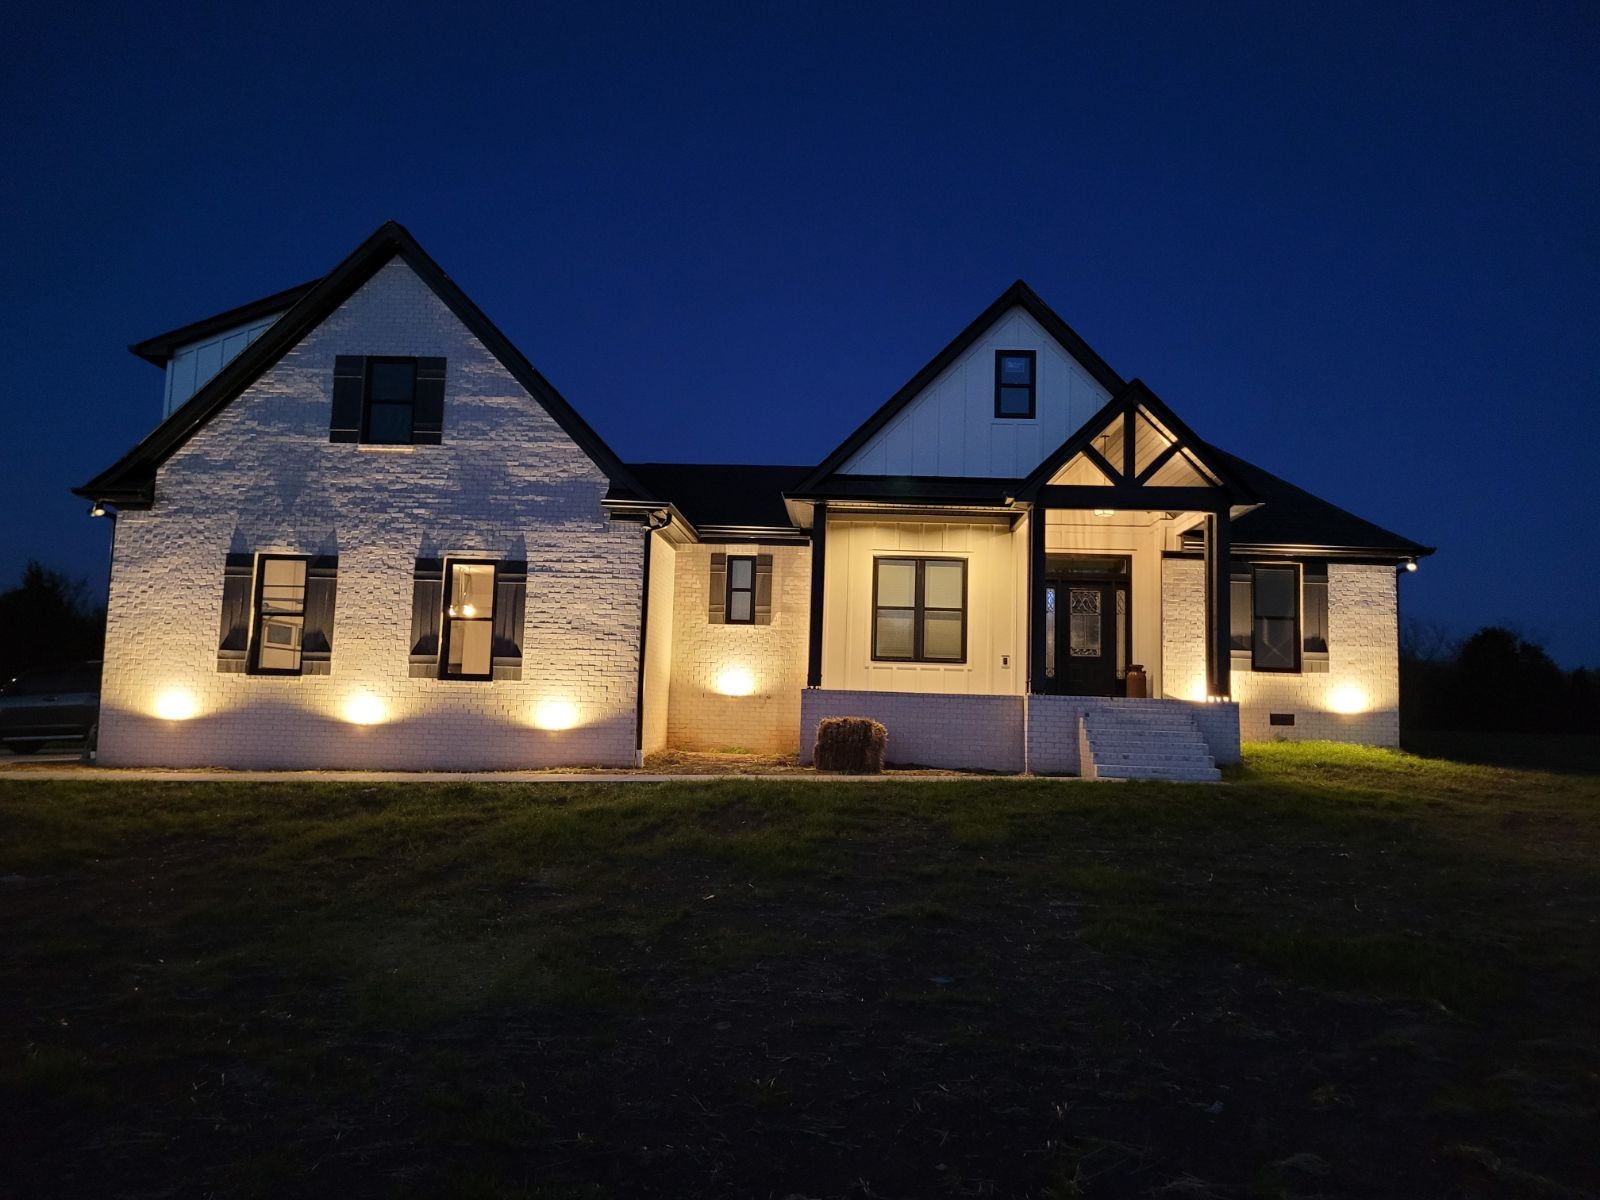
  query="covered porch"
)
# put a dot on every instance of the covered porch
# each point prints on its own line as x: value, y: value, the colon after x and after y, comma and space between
x: 997, y: 629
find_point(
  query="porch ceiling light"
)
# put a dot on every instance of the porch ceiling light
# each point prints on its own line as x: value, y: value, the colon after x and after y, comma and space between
x: 1105, y: 512
x: 1411, y: 564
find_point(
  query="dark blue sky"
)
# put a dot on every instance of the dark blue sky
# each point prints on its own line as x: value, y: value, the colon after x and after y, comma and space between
x: 1360, y: 248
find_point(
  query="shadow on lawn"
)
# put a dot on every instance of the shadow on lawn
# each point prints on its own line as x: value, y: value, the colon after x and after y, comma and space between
x: 1564, y: 753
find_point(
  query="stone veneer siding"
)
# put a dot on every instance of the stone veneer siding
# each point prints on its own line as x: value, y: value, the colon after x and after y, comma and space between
x: 1363, y: 659
x: 507, y: 483
x: 699, y: 716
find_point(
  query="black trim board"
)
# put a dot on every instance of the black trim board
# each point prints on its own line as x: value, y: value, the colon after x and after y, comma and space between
x: 1125, y: 403
x: 158, y: 349
x: 1018, y: 295
x: 130, y: 482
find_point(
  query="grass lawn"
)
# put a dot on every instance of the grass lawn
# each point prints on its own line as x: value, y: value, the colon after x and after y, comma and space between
x: 1345, y: 973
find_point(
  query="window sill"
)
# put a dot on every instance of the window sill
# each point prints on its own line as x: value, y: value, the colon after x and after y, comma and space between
x: 378, y: 448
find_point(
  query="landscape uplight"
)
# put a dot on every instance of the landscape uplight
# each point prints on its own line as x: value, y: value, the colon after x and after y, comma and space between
x: 176, y: 704
x: 555, y: 714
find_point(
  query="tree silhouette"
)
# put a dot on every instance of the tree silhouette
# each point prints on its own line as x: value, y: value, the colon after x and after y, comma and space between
x: 48, y: 620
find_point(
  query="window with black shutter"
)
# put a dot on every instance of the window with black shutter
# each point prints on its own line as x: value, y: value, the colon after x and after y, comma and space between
x: 390, y: 401
x: 467, y: 647
x: 233, y: 638
x: 387, y: 400
x: 741, y: 605
x: 280, y: 615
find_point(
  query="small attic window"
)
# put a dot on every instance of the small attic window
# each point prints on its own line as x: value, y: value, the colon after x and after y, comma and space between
x: 1014, y: 375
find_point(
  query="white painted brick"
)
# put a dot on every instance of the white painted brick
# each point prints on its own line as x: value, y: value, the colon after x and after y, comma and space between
x: 699, y: 716
x: 1363, y: 659
x: 262, y: 475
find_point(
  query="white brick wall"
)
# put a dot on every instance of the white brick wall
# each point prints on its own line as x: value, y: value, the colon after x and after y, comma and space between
x: 928, y: 729
x: 1363, y: 660
x: 262, y: 476
x: 700, y: 716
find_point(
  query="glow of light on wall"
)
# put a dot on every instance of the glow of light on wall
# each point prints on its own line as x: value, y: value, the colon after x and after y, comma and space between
x: 735, y: 681
x: 1197, y: 691
x: 1347, y: 699
x: 176, y: 704
x: 364, y: 709
x: 555, y: 714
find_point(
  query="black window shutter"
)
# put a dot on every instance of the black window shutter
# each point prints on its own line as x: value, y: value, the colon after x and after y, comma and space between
x: 427, y: 596
x: 233, y: 643
x: 763, y: 589
x: 427, y: 421
x: 717, y: 601
x: 510, y: 604
x: 349, y: 388
x: 316, y: 643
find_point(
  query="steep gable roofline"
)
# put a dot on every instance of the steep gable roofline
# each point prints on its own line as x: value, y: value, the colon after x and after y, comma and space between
x: 1126, y: 401
x: 131, y: 480
x: 1018, y: 295
x: 159, y: 349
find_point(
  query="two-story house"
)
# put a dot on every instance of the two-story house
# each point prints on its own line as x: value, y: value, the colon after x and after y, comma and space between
x: 369, y: 533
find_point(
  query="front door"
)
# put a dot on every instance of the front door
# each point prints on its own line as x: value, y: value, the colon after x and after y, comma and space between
x: 1085, y: 634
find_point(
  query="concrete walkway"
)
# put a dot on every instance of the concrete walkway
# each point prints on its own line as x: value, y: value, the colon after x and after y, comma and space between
x: 82, y: 772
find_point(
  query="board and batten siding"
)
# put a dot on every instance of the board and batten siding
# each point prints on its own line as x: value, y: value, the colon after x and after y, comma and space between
x: 996, y: 642
x: 191, y: 367
x: 1139, y: 539
x: 951, y: 429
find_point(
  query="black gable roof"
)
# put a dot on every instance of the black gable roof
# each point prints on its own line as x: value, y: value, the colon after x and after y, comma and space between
x: 1292, y: 518
x: 130, y: 481
x: 716, y: 495
x: 158, y: 349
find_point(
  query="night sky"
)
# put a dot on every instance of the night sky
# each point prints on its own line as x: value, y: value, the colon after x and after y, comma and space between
x: 1359, y: 249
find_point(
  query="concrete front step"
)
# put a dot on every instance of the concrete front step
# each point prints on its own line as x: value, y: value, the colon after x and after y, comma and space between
x: 1173, y: 774
x: 1145, y: 743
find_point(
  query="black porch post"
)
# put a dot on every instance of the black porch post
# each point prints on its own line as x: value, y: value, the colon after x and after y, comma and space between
x: 819, y: 553
x: 1036, y: 614
x: 1219, y: 619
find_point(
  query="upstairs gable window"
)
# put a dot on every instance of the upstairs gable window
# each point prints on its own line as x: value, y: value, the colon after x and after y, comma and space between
x: 387, y: 400
x: 391, y: 399
x: 1014, y: 380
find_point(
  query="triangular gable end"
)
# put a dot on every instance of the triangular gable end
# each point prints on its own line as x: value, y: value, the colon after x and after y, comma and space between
x: 1018, y: 295
x: 130, y: 482
x: 1135, y: 443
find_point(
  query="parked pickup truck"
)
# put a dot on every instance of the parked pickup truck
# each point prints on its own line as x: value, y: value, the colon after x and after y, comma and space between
x: 49, y: 704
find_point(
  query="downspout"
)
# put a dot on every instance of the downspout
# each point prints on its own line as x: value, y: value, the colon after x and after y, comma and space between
x: 100, y: 509
x: 653, y: 522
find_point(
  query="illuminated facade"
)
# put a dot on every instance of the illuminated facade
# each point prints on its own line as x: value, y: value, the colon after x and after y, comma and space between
x: 370, y: 534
